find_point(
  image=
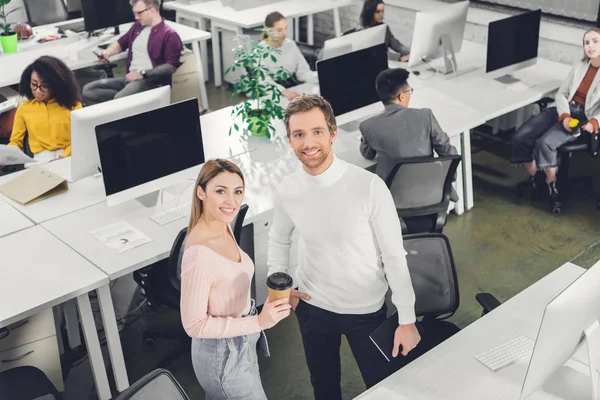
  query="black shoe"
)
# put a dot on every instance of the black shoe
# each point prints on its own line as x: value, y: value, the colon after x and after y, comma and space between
x: 555, y: 198
x: 535, y: 191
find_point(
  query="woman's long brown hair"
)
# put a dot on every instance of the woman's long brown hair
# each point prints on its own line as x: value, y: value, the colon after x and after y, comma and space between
x: 209, y: 171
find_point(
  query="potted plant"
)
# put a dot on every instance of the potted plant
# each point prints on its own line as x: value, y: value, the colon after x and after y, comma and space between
x: 256, y: 83
x: 8, y: 38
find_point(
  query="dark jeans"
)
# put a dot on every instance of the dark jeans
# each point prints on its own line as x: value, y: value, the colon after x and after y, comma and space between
x: 322, y: 336
x: 540, y: 137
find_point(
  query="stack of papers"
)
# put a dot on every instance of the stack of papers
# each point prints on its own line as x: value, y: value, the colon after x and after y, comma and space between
x: 11, y: 155
x: 120, y: 236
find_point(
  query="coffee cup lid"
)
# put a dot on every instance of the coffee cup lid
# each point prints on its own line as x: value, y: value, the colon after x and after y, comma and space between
x: 280, y: 281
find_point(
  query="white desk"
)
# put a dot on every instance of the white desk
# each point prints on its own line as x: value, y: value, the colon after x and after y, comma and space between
x: 39, y: 271
x: 12, y: 220
x: 450, y: 371
x: 222, y: 17
x: 81, y: 194
x: 492, y: 99
x: 76, y: 50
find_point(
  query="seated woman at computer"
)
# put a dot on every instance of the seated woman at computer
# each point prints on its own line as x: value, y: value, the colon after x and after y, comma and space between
x: 577, y: 110
x: 51, y: 92
x: 290, y: 56
x: 216, y: 275
x: 371, y: 15
x: 153, y: 56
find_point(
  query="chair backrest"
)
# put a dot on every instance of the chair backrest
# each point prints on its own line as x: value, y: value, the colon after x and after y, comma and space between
x: 422, y: 185
x: 433, y: 274
x: 159, y: 384
x: 41, y: 12
x: 176, y: 255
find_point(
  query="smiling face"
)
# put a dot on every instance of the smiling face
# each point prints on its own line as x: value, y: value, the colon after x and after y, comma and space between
x: 278, y: 32
x: 311, y: 140
x: 223, y: 197
x: 591, y: 44
x: 40, y: 91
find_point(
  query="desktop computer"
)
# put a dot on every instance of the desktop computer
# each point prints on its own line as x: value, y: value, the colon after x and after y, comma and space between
x: 354, y: 41
x: 348, y: 81
x: 102, y: 14
x: 439, y: 33
x: 84, y: 149
x: 512, y: 45
x: 570, y: 321
x: 145, y: 153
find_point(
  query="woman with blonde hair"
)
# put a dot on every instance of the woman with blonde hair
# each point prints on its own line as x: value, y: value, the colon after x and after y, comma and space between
x: 536, y: 142
x: 216, y: 308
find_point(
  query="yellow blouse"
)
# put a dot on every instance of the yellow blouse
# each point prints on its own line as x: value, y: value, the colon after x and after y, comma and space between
x: 48, y: 125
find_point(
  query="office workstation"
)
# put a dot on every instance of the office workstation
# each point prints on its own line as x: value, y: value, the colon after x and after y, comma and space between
x: 128, y: 190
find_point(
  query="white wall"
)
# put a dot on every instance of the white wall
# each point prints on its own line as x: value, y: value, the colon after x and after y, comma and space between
x: 557, y: 42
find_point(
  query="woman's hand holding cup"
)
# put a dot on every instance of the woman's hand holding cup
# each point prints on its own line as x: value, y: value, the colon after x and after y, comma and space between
x: 273, y: 312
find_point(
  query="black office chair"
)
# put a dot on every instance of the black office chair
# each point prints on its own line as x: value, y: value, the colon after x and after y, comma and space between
x: 434, y: 279
x: 159, y: 384
x: 42, y: 12
x: 421, y: 188
x: 27, y: 383
x: 162, y: 287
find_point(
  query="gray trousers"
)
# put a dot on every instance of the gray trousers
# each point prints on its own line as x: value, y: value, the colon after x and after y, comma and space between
x: 540, y: 137
x: 113, y: 88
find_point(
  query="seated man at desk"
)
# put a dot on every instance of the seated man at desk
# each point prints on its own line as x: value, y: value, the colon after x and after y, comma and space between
x: 399, y: 131
x: 153, y: 56
x: 52, y: 93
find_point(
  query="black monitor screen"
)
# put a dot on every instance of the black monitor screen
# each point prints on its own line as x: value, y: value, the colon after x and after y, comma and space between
x: 513, y: 40
x: 348, y: 81
x: 102, y: 14
x: 144, y: 147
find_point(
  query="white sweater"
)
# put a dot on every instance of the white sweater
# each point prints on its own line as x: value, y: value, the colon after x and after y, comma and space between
x: 350, y: 240
x: 292, y: 60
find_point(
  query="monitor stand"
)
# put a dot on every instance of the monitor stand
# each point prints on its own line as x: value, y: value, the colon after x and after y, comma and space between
x: 507, y: 79
x: 592, y: 340
x: 157, y: 198
x: 448, y: 55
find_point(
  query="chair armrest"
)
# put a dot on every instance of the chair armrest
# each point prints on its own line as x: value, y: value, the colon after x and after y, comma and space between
x: 487, y: 301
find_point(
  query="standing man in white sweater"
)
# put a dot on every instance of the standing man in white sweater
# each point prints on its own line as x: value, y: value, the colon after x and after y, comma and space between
x: 351, y: 247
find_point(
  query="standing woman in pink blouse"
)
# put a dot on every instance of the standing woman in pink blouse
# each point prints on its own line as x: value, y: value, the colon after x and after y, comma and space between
x: 216, y: 308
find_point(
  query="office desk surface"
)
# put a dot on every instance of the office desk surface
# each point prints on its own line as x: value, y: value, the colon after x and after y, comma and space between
x: 76, y: 50
x: 12, y: 220
x: 254, y: 17
x: 81, y: 194
x: 493, y: 99
x: 450, y: 371
x: 39, y: 271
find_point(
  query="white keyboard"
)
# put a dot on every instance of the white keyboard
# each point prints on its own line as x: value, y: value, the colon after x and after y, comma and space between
x: 507, y: 353
x: 172, y: 214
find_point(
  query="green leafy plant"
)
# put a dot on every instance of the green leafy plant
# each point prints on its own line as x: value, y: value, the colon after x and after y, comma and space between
x: 5, y: 26
x: 256, y: 82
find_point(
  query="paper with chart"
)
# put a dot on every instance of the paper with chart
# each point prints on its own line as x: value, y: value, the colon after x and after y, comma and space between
x: 382, y: 393
x: 120, y: 236
x: 11, y: 155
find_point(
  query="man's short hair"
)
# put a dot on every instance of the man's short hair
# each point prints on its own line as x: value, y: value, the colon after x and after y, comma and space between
x: 148, y: 3
x: 390, y: 83
x: 307, y: 102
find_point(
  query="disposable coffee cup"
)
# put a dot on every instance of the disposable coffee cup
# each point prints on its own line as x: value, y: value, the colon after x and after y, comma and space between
x: 280, y: 286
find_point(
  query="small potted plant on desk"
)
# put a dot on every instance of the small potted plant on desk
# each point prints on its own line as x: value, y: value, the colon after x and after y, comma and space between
x: 256, y: 82
x: 8, y: 38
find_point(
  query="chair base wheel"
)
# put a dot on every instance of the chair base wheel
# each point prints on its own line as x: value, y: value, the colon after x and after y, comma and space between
x: 556, y: 209
x: 149, y: 342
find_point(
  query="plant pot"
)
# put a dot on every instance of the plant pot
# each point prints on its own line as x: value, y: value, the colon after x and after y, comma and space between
x: 258, y: 123
x: 9, y: 42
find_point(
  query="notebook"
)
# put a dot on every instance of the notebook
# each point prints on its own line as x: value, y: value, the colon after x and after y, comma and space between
x: 383, y: 336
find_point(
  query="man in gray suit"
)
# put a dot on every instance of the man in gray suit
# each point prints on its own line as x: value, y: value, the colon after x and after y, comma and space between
x: 399, y: 131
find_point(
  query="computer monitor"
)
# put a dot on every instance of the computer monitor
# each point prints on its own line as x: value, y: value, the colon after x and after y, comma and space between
x: 144, y: 153
x: 354, y: 41
x: 102, y: 14
x: 570, y: 320
x: 84, y: 148
x: 512, y: 45
x: 439, y: 33
x: 348, y: 81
